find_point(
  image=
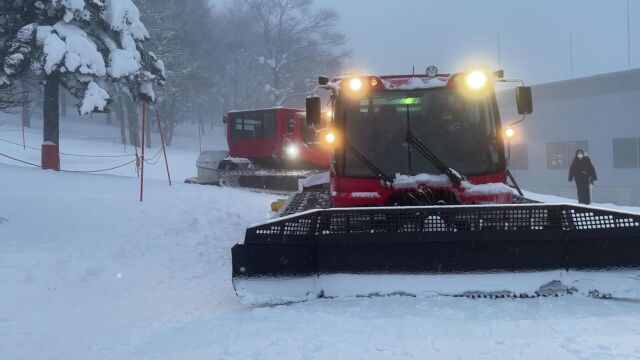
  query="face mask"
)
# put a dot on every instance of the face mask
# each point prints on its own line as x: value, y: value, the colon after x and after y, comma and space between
x: 580, y: 156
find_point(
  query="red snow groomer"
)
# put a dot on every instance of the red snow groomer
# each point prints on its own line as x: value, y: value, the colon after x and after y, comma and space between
x: 268, y: 149
x: 277, y: 138
x: 419, y: 204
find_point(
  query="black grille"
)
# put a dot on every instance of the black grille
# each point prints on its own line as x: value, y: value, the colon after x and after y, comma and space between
x: 444, y: 219
x: 454, y: 239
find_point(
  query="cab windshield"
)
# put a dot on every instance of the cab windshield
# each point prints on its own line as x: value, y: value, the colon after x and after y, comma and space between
x: 458, y: 130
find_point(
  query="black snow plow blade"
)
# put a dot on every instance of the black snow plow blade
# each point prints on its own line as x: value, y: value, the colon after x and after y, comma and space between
x: 415, y: 250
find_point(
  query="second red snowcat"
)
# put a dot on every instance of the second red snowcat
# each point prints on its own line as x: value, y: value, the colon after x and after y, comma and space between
x: 271, y: 149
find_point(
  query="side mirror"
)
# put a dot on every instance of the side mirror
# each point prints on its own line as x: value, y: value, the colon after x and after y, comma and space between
x: 323, y: 80
x: 524, y: 100
x: 314, y: 110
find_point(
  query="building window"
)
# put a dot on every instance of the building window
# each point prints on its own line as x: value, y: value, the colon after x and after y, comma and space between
x: 560, y: 154
x: 519, y: 157
x: 626, y: 154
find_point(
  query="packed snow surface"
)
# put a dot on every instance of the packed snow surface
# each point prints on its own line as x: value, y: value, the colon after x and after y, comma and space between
x: 89, y: 272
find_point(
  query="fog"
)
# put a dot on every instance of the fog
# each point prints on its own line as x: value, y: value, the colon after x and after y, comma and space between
x: 392, y: 36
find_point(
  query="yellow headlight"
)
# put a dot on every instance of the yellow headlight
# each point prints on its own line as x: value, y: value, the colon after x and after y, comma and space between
x: 355, y: 84
x: 476, y: 80
x: 331, y: 138
x: 509, y: 132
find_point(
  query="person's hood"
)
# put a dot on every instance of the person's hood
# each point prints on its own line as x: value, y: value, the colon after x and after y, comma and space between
x: 582, y: 151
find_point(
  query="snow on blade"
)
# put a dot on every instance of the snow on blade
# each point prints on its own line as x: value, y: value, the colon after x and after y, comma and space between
x: 273, y: 291
x: 606, y: 284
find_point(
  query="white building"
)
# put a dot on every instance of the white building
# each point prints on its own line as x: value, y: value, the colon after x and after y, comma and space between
x: 600, y: 114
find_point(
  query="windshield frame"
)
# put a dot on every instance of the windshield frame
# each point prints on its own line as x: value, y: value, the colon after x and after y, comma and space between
x: 340, y: 152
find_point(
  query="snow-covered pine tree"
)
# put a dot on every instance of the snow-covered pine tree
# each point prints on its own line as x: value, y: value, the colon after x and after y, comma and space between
x: 78, y: 44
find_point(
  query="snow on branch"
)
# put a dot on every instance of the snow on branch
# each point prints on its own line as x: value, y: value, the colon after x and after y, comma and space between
x: 124, y: 16
x: 71, y: 43
x: 95, y: 99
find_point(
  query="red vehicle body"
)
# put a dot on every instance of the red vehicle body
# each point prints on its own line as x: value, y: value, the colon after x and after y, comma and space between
x: 363, y: 188
x: 275, y: 138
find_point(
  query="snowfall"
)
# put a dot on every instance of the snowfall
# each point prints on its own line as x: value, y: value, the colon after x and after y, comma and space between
x: 87, y: 271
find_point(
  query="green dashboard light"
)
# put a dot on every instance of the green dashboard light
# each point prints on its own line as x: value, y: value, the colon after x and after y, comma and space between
x: 409, y: 101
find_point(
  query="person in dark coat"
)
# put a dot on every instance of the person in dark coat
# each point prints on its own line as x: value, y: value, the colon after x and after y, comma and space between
x: 584, y: 173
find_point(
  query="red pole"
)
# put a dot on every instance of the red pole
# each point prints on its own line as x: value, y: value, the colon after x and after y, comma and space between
x: 164, y: 150
x: 144, y: 116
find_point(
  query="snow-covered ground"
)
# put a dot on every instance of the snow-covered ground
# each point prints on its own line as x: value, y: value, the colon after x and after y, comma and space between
x: 88, y: 272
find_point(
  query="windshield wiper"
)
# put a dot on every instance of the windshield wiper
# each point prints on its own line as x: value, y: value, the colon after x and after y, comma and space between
x: 423, y: 150
x: 370, y: 165
x: 374, y: 169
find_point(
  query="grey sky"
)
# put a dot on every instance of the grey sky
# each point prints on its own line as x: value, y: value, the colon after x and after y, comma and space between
x: 391, y: 36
